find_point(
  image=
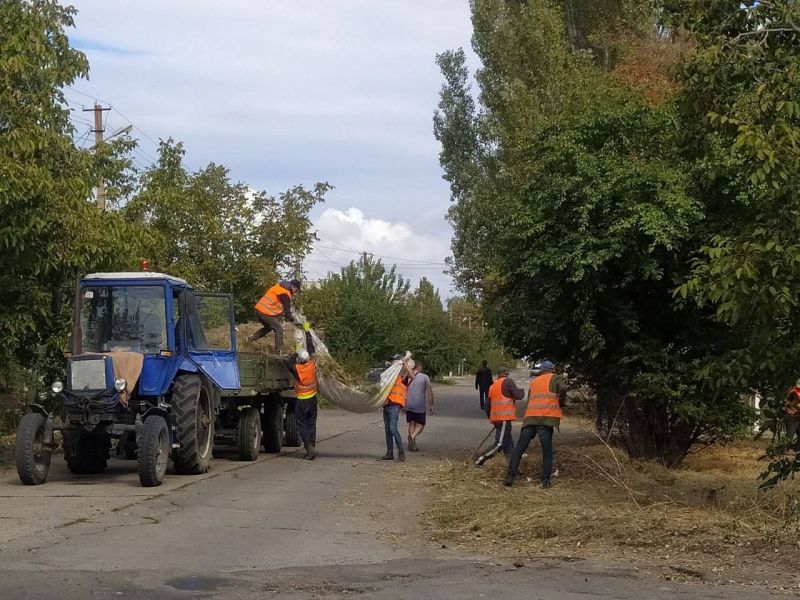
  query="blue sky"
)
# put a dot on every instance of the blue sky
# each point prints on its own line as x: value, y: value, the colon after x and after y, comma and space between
x: 293, y: 91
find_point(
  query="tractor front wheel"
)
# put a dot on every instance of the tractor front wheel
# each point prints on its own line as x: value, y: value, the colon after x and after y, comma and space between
x: 153, y: 451
x: 32, y: 453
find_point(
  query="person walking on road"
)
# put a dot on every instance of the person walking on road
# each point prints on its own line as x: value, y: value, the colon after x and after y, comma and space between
x: 418, y: 403
x: 791, y: 417
x: 395, y: 402
x: 503, y: 393
x: 483, y: 380
x: 546, y: 396
x: 275, y: 303
x: 304, y: 369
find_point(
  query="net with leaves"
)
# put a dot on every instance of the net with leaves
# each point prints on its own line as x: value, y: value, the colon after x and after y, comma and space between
x: 335, y: 385
x: 339, y: 388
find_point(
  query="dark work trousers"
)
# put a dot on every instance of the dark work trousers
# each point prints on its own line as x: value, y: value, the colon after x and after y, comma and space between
x: 792, y: 431
x: 502, y: 441
x: 269, y: 324
x: 483, y: 397
x: 529, y: 432
x: 306, y: 413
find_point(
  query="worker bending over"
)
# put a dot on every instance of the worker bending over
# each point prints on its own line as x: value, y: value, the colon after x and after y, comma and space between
x: 546, y: 395
x: 275, y: 303
x: 503, y: 393
x: 304, y: 369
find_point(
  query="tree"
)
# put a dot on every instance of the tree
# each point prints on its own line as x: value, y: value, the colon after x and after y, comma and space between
x: 427, y: 332
x: 741, y: 90
x: 217, y: 234
x: 581, y: 223
x: 50, y: 230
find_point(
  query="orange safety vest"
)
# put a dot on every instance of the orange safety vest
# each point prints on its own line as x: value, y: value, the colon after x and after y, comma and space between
x: 305, y: 386
x: 501, y: 408
x: 793, y: 402
x: 398, y: 393
x: 269, y: 304
x: 542, y: 402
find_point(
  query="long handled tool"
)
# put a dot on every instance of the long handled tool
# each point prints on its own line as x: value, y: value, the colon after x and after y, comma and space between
x: 478, y: 449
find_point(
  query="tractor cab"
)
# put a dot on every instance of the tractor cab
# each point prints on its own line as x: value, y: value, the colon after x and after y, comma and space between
x: 133, y: 332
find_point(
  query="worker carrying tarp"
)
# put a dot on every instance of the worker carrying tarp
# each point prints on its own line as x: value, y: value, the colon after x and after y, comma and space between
x: 275, y: 303
x: 303, y: 367
x: 335, y: 385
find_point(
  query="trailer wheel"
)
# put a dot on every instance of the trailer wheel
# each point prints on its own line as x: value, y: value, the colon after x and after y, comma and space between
x: 86, y: 454
x: 153, y: 451
x: 248, y: 434
x: 272, y: 425
x: 194, y: 419
x: 292, y: 437
x: 33, y: 457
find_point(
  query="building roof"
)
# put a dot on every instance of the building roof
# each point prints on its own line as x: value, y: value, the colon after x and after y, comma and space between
x: 135, y: 275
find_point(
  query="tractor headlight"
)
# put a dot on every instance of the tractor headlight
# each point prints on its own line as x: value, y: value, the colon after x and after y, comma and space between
x: 57, y: 386
x: 120, y: 384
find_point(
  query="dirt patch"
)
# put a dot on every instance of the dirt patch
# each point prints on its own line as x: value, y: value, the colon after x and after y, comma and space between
x: 707, y: 521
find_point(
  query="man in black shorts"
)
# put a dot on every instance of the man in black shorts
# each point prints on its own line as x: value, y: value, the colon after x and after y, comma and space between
x: 419, y: 400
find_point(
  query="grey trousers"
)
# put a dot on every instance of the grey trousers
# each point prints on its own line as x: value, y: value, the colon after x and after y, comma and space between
x: 269, y: 324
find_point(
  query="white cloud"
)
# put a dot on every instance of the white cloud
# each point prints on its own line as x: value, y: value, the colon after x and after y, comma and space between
x: 346, y: 233
x: 288, y: 92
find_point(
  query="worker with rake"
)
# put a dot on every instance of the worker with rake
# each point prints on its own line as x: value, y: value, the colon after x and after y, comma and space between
x: 503, y: 393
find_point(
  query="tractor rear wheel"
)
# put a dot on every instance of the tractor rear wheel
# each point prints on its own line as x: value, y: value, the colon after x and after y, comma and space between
x: 248, y: 435
x: 85, y: 453
x: 194, y: 420
x: 272, y: 425
x: 153, y: 451
x: 33, y: 456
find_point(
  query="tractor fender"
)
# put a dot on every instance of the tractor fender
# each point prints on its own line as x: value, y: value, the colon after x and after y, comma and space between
x: 188, y: 365
x: 39, y: 409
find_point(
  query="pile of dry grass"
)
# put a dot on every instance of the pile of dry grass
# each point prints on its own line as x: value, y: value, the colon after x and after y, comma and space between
x: 710, y: 510
x: 220, y: 337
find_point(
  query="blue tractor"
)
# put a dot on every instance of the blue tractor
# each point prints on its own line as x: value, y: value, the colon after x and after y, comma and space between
x: 154, y: 367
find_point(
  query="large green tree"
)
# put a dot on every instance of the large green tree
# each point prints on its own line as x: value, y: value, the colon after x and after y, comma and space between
x: 218, y: 234
x: 575, y: 218
x: 741, y: 96
x: 50, y: 229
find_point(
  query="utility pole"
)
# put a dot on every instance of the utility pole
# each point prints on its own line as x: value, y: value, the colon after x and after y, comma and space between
x: 98, y: 141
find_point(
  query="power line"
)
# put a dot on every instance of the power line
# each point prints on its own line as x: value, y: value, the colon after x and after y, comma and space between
x: 134, y: 126
x: 407, y: 260
x: 93, y: 98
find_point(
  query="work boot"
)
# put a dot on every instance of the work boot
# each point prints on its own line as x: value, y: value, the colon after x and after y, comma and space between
x: 509, y: 481
x: 412, y: 445
x: 387, y: 456
x: 311, y: 452
x: 401, y: 457
x: 480, y: 461
x: 546, y: 484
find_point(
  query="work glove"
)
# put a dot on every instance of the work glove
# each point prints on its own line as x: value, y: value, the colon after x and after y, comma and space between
x: 306, y: 326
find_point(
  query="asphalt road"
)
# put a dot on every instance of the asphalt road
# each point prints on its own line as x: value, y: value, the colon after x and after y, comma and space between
x: 280, y: 527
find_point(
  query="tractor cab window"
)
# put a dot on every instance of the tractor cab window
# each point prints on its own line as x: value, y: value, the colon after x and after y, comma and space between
x: 124, y: 318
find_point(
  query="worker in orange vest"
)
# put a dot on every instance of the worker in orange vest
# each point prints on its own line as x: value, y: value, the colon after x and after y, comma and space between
x: 276, y: 302
x: 396, y: 402
x: 304, y: 369
x: 503, y: 393
x: 791, y: 417
x: 546, y: 395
